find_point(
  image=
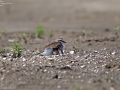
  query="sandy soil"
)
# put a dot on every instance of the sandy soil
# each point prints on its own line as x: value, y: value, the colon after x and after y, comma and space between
x: 87, y: 27
x: 25, y: 15
x: 94, y: 65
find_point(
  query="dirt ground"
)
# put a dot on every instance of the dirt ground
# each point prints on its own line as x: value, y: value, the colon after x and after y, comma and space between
x: 94, y: 65
x: 25, y: 15
x: 90, y: 28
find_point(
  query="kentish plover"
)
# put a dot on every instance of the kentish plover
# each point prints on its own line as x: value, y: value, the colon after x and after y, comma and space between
x: 55, y: 48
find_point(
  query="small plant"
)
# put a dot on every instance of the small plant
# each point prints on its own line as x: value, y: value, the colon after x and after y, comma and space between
x: 116, y: 30
x: 76, y: 49
x: 92, y: 32
x: 82, y: 33
x: 78, y: 87
x: 118, y: 39
x: 24, y: 37
x: 39, y: 31
x: 3, y: 52
x: 1, y: 31
x: 119, y: 88
x: 16, y: 51
x: 2, y: 61
x: 109, y: 79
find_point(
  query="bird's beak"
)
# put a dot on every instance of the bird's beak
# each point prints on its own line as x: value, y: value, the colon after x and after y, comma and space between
x: 64, y: 41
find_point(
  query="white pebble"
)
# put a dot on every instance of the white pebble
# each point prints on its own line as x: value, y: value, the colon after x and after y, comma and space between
x: 24, y: 59
x: 114, y: 52
x: 4, y: 58
x: 72, y: 52
x: 11, y: 40
x: 58, y: 86
x: 82, y: 66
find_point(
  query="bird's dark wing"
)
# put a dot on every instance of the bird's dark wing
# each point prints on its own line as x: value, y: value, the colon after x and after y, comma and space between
x: 53, y: 45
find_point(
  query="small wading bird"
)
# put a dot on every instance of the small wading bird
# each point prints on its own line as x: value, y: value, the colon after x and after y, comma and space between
x: 55, y: 48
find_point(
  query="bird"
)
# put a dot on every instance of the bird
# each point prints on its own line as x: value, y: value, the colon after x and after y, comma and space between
x: 54, y: 48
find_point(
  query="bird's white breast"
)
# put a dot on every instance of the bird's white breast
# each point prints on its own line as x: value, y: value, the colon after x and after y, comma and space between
x: 47, y: 52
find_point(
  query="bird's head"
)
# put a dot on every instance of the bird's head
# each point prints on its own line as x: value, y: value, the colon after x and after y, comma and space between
x: 60, y: 40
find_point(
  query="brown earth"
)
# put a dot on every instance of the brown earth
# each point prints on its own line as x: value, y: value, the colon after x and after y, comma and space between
x: 25, y: 15
x: 95, y: 64
x: 87, y: 27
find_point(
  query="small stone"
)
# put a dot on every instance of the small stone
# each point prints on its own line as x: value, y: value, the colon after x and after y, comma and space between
x: 24, y: 59
x: 11, y: 40
x: 113, y: 53
x: 83, y: 66
x: 2, y: 78
x: 4, y: 58
x: 111, y: 88
x: 72, y: 52
x: 55, y: 76
x: 24, y: 65
x: 95, y: 51
x: 50, y: 58
x: 58, y: 86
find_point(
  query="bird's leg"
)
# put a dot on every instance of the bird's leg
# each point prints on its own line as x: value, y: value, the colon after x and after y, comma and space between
x: 61, y: 52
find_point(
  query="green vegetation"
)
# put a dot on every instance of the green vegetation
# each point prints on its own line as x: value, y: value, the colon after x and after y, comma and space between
x: 118, y: 39
x: 2, y: 61
x: 116, y: 29
x: 16, y: 51
x: 119, y: 88
x: 92, y: 32
x: 24, y: 36
x: 3, y: 52
x: 109, y: 79
x: 1, y: 31
x: 75, y: 49
x: 82, y: 33
x: 78, y: 87
x: 39, y: 31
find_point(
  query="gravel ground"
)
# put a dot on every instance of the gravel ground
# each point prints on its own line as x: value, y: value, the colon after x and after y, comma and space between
x: 91, y: 60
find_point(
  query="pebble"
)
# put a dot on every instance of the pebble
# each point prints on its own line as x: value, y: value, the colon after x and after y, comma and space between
x: 58, y: 86
x: 72, y: 52
x: 114, y: 52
